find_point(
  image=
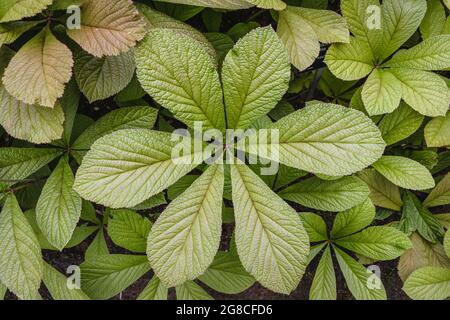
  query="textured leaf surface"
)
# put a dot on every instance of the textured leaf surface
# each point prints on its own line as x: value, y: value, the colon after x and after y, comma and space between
x: 20, y: 255
x: 59, y: 207
x: 219, y: 4
x: 105, y: 276
x: 440, y: 195
x: 154, y: 290
x: 353, y: 220
x: 269, y: 4
x: 338, y: 195
x: 129, y: 166
x: 191, y: 291
x: 405, y: 173
x: 12, y: 10
x: 108, y: 28
x: 429, y: 283
x: 383, y: 193
x: 227, y: 275
x: 433, y: 23
x: 180, y: 76
x: 56, y: 284
x: 437, y: 132
x: 381, y: 93
x: 37, y: 74
x: 324, y: 284
x: 255, y: 75
x: 271, y: 241
x: 184, y: 240
x: 315, y: 226
x: 10, y: 32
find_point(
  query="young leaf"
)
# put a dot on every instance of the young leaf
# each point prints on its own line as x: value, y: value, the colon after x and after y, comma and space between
x: 98, y: 246
x: 380, y: 243
x: 315, y: 226
x: 180, y: 76
x: 271, y: 241
x: 105, y: 276
x: 184, y: 240
x: 108, y: 28
x: 154, y: 290
x: 381, y: 93
x: 353, y: 220
x: 429, y: 283
x: 12, y: 10
x: 357, y: 278
x: 59, y: 207
x: 56, y: 284
x: 439, y: 196
x: 146, y: 167
x: 37, y: 74
x: 437, y: 132
x: 191, y: 291
x: 101, y: 78
x: 323, y: 286
x: 337, y: 195
x: 227, y: 275
x: 255, y: 75
x: 20, y: 255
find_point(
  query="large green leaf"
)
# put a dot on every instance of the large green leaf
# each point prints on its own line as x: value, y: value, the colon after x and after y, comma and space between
x: 129, y: 166
x: 154, y: 290
x: 10, y: 32
x: 191, y: 291
x: 325, y: 139
x: 227, y: 275
x: 269, y: 4
x: 381, y: 93
x: 323, y: 286
x: 21, y: 265
x: 56, y: 284
x: 59, y: 207
x: 380, y: 243
x: 337, y: 195
x: 184, y: 240
x: 353, y: 220
x: 439, y: 196
x: 429, y: 283
x: 180, y: 76
x: 255, y: 75
x: 357, y: 278
x: 271, y: 241
x: 11, y: 10
x: 219, y: 4
x: 105, y: 276
x: 437, y: 132
x: 405, y: 173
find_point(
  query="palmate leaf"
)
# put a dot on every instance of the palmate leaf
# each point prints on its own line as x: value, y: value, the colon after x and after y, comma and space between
x: 353, y: 220
x: 219, y: 4
x: 21, y: 265
x: 184, y: 240
x: 325, y: 139
x: 338, y: 195
x: 129, y: 166
x: 56, y: 283
x: 271, y: 241
x: 12, y: 10
x: 154, y: 290
x: 255, y: 76
x: 436, y: 132
x: 429, y: 283
x: 37, y: 74
x: 108, y: 28
x: 323, y: 286
x: 59, y: 207
x: 180, y: 76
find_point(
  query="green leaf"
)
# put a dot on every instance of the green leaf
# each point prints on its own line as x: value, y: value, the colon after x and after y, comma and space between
x: 326, y: 139
x: 37, y: 74
x: 124, y: 118
x: 191, y: 291
x: 105, y: 276
x: 447, y: 243
x: 315, y: 226
x: 3, y: 290
x: 323, y: 286
x: 56, y: 284
x: 180, y: 76
x: 11, y: 10
x: 380, y: 243
x: 383, y: 193
x: 401, y: 18
x: 353, y: 220
x: 429, y: 283
x: 269, y: 4
x: 425, y: 92
x: 433, y: 23
x: 101, y: 78
x: 59, y: 207
x: 98, y: 246
x: 19, y: 163
x: 219, y: 4
x: 154, y: 290
x: 271, y: 241
x: 10, y: 32
x: 431, y: 54
x: 400, y: 124
x: 21, y: 265
x: 147, y: 167
x: 337, y: 195
x: 439, y: 196
x: 352, y: 61
x: 358, y: 278
x: 381, y: 93
x: 255, y: 75
x: 405, y: 173
x: 436, y: 132
x: 227, y: 275
x: 129, y: 230
x: 184, y: 240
